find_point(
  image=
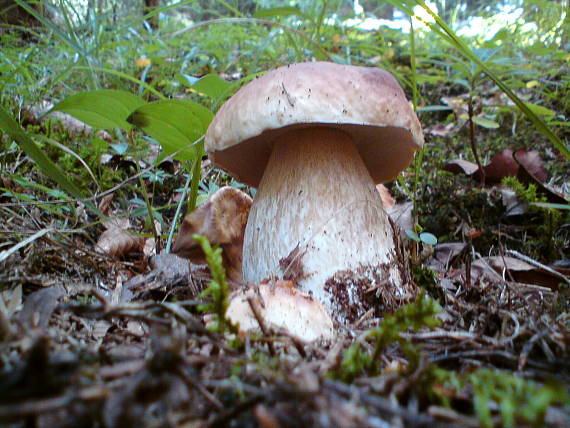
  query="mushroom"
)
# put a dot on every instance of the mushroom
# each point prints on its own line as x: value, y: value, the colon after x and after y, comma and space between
x: 315, y: 138
x: 274, y: 304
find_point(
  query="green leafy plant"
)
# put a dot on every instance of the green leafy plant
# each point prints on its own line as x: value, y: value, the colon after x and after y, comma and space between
x: 548, y: 217
x: 29, y: 146
x: 526, y: 193
x: 419, y: 314
x: 424, y: 237
x: 444, y: 31
x: 518, y: 400
x: 218, y: 290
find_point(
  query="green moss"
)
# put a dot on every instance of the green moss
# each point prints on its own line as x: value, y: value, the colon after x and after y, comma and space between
x: 518, y: 400
x: 358, y: 361
x: 218, y: 290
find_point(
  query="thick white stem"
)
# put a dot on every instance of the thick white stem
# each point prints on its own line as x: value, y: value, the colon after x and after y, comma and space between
x: 318, y: 219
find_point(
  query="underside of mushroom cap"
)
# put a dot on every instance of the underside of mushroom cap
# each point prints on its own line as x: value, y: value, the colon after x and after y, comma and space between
x: 366, y: 103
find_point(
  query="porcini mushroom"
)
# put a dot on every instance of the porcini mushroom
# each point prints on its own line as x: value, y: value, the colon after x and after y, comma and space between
x: 315, y: 138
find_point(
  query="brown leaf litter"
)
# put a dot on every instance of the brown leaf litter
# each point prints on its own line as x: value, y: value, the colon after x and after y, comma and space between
x: 92, y: 344
x: 526, y: 165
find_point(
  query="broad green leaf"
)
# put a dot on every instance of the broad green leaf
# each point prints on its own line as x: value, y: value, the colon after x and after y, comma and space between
x: 104, y: 109
x: 277, y: 11
x: 15, y: 131
x: 551, y: 205
x: 428, y: 238
x: 212, y: 85
x: 540, y: 110
x: 175, y: 124
x: 187, y: 79
x: 412, y: 235
x: 434, y: 108
x: 484, y: 122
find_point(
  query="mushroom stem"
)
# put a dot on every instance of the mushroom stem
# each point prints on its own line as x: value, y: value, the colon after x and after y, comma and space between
x: 317, y: 219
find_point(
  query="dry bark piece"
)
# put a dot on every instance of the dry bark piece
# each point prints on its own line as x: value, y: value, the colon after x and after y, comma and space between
x: 315, y: 138
x: 221, y: 219
x: 281, y: 306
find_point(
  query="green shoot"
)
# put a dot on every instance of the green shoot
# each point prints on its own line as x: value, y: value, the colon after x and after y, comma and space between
x: 414, y: 316
x: 218, y: 290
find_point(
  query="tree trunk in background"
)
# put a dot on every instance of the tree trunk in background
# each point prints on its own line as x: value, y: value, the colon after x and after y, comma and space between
x: 150, y: 6
x: 12, y: 14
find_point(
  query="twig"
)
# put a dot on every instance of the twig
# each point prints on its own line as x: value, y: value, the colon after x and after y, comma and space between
x: 189, y: 381
x: 538, y: 265
x: 381, y: 404
x: 455, y: 335
x: 472, y: 139
x: 20, y: 409
x: 224, y: 418
x: 261, y: 323
x: 492, y: 353
x: 7, y: 253
x: 297, y: 343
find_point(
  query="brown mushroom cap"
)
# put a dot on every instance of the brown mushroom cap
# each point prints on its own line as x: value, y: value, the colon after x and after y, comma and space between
x: 366, y: 103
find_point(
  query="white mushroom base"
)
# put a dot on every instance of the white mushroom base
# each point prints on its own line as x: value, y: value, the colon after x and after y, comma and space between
x: 317, y: 219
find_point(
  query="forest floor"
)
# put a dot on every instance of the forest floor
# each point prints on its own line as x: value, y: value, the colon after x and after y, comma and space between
x: 76, y: 352
x: 95, y: 332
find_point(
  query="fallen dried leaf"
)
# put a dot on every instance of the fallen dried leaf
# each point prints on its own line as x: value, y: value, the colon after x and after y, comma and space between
x: 387, y: 200
x: 444, y: 255
x: 401, y: 215
x: 39, y: 306
x: 529, y: 173
x: 117, y: 242
x: 511, y: 268
x: 503, y: 164
x: 440, y: 130
x: 221, y: 219
x: 10, y: 300
x: 105, y: 203
x: 473, y: 233
x: 513, y: 205
x: 460, y: 166
x: 531, y: 163
x: 527, y: 166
